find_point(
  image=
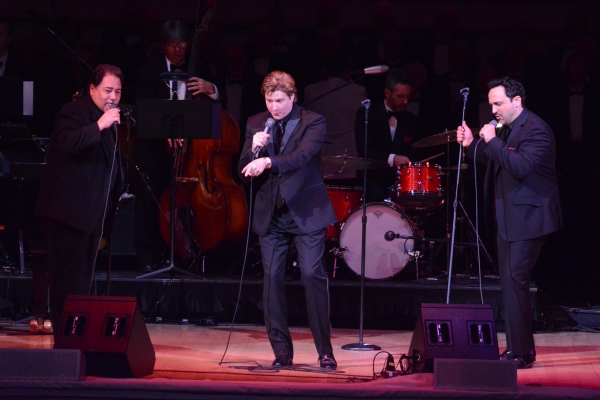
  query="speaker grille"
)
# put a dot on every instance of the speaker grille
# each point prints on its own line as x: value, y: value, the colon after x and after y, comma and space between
x: 42, y: 364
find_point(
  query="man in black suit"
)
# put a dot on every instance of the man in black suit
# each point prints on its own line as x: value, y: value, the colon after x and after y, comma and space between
x: 291, y: 204
x: 151, y: 155
x: 391, y: 132
x: 81, y: 186
x: 521, y: 191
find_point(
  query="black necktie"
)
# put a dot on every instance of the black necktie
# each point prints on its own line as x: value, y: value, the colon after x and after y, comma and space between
x: 279, y: 132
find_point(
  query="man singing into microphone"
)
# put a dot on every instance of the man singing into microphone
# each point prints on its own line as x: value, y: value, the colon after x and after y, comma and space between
x: 291, y: 204
x: 521, y: 192
x: 81, y: 186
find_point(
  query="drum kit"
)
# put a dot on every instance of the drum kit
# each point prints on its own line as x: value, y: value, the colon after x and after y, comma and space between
x: 418, y: 189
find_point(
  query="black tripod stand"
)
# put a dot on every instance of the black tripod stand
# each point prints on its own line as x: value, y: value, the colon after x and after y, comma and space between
x: 183, y: 119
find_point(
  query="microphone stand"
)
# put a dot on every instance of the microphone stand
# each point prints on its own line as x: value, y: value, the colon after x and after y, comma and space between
x: 361, y: 345
x: 465, y: 93
x: 335, y: 89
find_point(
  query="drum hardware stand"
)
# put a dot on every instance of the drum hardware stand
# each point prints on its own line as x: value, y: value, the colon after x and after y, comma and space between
x: 337, y: 253
x: 361, y: 345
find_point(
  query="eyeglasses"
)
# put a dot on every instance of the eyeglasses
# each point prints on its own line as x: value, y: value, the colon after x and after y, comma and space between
x: 179, y: 46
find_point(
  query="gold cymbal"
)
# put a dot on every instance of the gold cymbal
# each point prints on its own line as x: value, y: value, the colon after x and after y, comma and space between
x: 436, y: 140
x: 348, y: 162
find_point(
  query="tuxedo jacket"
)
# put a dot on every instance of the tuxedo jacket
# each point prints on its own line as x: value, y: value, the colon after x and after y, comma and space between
x: 523, y: 180
x: 296, y: 171
x: 77, y: 181
x: 380, y: 144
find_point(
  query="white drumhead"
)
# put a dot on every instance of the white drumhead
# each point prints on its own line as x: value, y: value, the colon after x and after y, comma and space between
x: 383, y: 259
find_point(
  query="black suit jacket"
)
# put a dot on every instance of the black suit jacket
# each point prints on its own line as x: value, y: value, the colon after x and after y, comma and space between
x: 525, y: 188
x: 296, y: 171
x: 77, y: 181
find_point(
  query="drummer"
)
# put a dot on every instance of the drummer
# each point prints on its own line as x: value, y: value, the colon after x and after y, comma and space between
x: 391, y: 132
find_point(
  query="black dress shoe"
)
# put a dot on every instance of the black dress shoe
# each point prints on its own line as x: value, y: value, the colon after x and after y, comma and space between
x: 327, y: 361
x: 506, y: 355
x: 524, y: 362
x: 282, y: 361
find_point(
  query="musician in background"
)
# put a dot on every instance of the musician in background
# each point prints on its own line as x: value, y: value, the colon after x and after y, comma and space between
x: 151, y: 155
x: 291, y: 204
x: 81, y: 186
x: 392, y: 131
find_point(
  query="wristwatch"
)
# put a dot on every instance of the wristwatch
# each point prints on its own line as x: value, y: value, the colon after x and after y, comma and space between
x: 268, y: 162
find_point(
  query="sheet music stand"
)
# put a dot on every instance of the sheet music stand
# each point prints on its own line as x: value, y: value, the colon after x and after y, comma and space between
x: 181, y: 119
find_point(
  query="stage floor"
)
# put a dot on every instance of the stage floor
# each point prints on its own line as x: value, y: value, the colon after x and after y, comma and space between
x: 188, y: 365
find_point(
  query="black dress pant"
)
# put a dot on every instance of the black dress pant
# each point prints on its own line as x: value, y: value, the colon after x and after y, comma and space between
x: 515, y: 262
x: 274, y: 247
x: 71, y: 258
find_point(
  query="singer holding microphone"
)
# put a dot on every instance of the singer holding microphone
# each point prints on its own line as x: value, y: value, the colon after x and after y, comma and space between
x: 81, y: 186
x: 291, y: 204
x: 521, y: 202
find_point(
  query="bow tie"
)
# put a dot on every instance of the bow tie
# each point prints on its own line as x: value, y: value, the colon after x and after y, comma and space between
x: 179, y: 68
x: 396, y: 115
x: 575, y: 92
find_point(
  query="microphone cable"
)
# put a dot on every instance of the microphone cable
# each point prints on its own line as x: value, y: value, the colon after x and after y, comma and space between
x: 246, y: 249
x: 110, y: 177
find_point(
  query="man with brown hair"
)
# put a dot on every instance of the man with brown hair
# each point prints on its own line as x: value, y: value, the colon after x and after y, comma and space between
x: 291, y: 204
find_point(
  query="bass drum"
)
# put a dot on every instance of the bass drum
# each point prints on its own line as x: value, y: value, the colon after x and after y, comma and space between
x: 383, y: 259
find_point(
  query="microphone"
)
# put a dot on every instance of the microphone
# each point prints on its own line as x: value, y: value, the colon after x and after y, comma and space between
x: 377, y: 69
x: 270, y: 123
x: 493, y: 122
x: 390, y: 235
x: 114, y: 125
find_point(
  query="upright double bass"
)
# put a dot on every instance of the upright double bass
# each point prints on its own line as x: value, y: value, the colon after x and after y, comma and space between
x: 210, y: 207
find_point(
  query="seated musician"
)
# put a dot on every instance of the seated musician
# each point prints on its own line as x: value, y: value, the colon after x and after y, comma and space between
x: 151, y: 156
x: 391, y: 132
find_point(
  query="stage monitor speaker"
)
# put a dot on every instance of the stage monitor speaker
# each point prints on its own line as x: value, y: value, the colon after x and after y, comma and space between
x: 112, y: 334
x: 461, y: 331
x: 42, y: 364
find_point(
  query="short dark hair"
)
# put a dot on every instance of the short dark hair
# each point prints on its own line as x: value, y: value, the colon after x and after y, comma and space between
x: 396, y: 77
x: 174, y: 30
x: 511, y: 86
x: 101, y: 71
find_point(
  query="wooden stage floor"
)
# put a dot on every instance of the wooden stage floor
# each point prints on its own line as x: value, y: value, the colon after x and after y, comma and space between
x: 188, y: 366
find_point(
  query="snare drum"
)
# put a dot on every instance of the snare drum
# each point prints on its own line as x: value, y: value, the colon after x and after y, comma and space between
x: 344, y: 199
x: 383, y: 259
x: 419, y: 186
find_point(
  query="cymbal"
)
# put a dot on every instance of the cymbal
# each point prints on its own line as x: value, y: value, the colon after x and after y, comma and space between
x: 455, y: 167
x: 436, y: 140
x: 345, y: 161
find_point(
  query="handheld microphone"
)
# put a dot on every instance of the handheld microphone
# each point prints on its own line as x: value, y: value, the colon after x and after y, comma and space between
x: 114, y: 125
x: 268, y: 126
x: 493, y: 122
x: 377, y: 69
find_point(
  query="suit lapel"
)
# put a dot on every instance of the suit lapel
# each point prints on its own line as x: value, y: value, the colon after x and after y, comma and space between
x: 289, y: 130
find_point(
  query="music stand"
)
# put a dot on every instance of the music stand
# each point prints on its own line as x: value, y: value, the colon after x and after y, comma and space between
x: 181, y: 119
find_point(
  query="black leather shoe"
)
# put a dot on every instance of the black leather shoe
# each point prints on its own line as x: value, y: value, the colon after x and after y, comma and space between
x: 524, y: 362
x: 327, y: 361
x: 282, y: 361
x: 506, y: 355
